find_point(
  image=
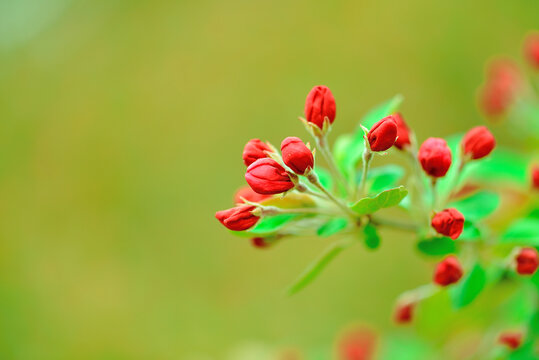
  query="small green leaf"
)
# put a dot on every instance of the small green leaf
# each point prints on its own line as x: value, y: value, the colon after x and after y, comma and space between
x: 469, y: 287
x: 444, y: 185
x: 502, y: 165
x: 384, y: 177
x: 406, y: 347
x: 437, y: 246
x: 382, y: 110
x: 267, y: 225
x: 372, y: 239
x: 332, y: 227
x: 406, y: 203
x: 526, y: 351
x: 386, y: 198
x: 523, y: 231
x: 470, y: 232
x: 477, y: 206
x: 272, y: 223
x: 347, y: 152
x: 314, y: 269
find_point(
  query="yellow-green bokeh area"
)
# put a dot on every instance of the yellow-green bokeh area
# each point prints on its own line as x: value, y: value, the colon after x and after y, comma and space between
x: 121, y: 130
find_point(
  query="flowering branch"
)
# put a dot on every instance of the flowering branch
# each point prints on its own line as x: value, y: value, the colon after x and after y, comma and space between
x: 446, y: 227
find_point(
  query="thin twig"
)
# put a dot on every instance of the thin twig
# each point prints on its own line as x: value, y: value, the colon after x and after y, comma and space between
x: 367, y: 157
x: 323, y: 147
x: 393, y: 224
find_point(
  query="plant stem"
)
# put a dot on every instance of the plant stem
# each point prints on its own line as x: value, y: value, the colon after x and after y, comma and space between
x: 304, y: 189
x: 454, y: 180
x: 394, y: 224
x: 321, y: 142
x: 420, y: 293
x: 419, y: 184
x: 367, y: 157
x: 434, y: 195
x: 273, y: 210
x: 313, y: 179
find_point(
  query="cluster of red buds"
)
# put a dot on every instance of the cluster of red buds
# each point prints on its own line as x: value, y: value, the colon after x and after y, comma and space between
x: 289, y: 194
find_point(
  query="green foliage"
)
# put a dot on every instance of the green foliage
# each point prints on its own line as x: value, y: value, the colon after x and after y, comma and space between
x: 444, y: 184
x: 267, y: 225
x: 469, y: 287
x: 405, y: 347
x: 372, y: 239
x: 523, y: 231
x: 384, y: 177
x: 437, y: 246
x: 314, y: 269
x: 384, y: 199
x: 347, y: 152
x: 478, y: 205
x: 502, y: 165
x: 332, y: 227
x: 470, y: 232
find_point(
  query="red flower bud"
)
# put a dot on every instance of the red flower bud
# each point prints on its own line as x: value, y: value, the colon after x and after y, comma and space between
x: 403, y: 132
x: 510, y: 339
x: 296, y: 155
x: 319, y: 105
x: 383, y: 134
x: 259, y: 242
x: 238, y: 218
x: 535, y: 177
x: 503, y: 81
x: 254, y: 150
x: 527, y: 261
x: 478, y: 142
x: 359, y: 344
x: 531, y: 50
x: 248, y: 194
x: 435, y: 157
x: 266, y: 176
x: 448, y: 222
x: 448, y: 271
x: 404, y: 312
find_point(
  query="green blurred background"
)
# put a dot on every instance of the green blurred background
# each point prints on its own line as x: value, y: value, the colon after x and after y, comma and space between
x: 121, y: 130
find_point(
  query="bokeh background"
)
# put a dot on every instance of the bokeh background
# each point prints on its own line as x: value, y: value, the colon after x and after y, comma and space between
x: 121, y: 129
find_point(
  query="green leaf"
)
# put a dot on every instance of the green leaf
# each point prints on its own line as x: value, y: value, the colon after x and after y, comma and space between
x: 332, y: 227
x: 386, y: 198
x: 314, y: 269
x: 437, y: 246
x: 382, y: 110
x: 347, y: 152
x: 523, y: 231
x: 502, y: 165
x: 372, y: 239
x: 407, y: 347
x: 267, y: 225
x: 470, y: 232
x: 477, y: 206
x: 469, y: 287
x: 526, y: 351
x: 444, y: 184
x: 384, y: 177
x: 272, y: 223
